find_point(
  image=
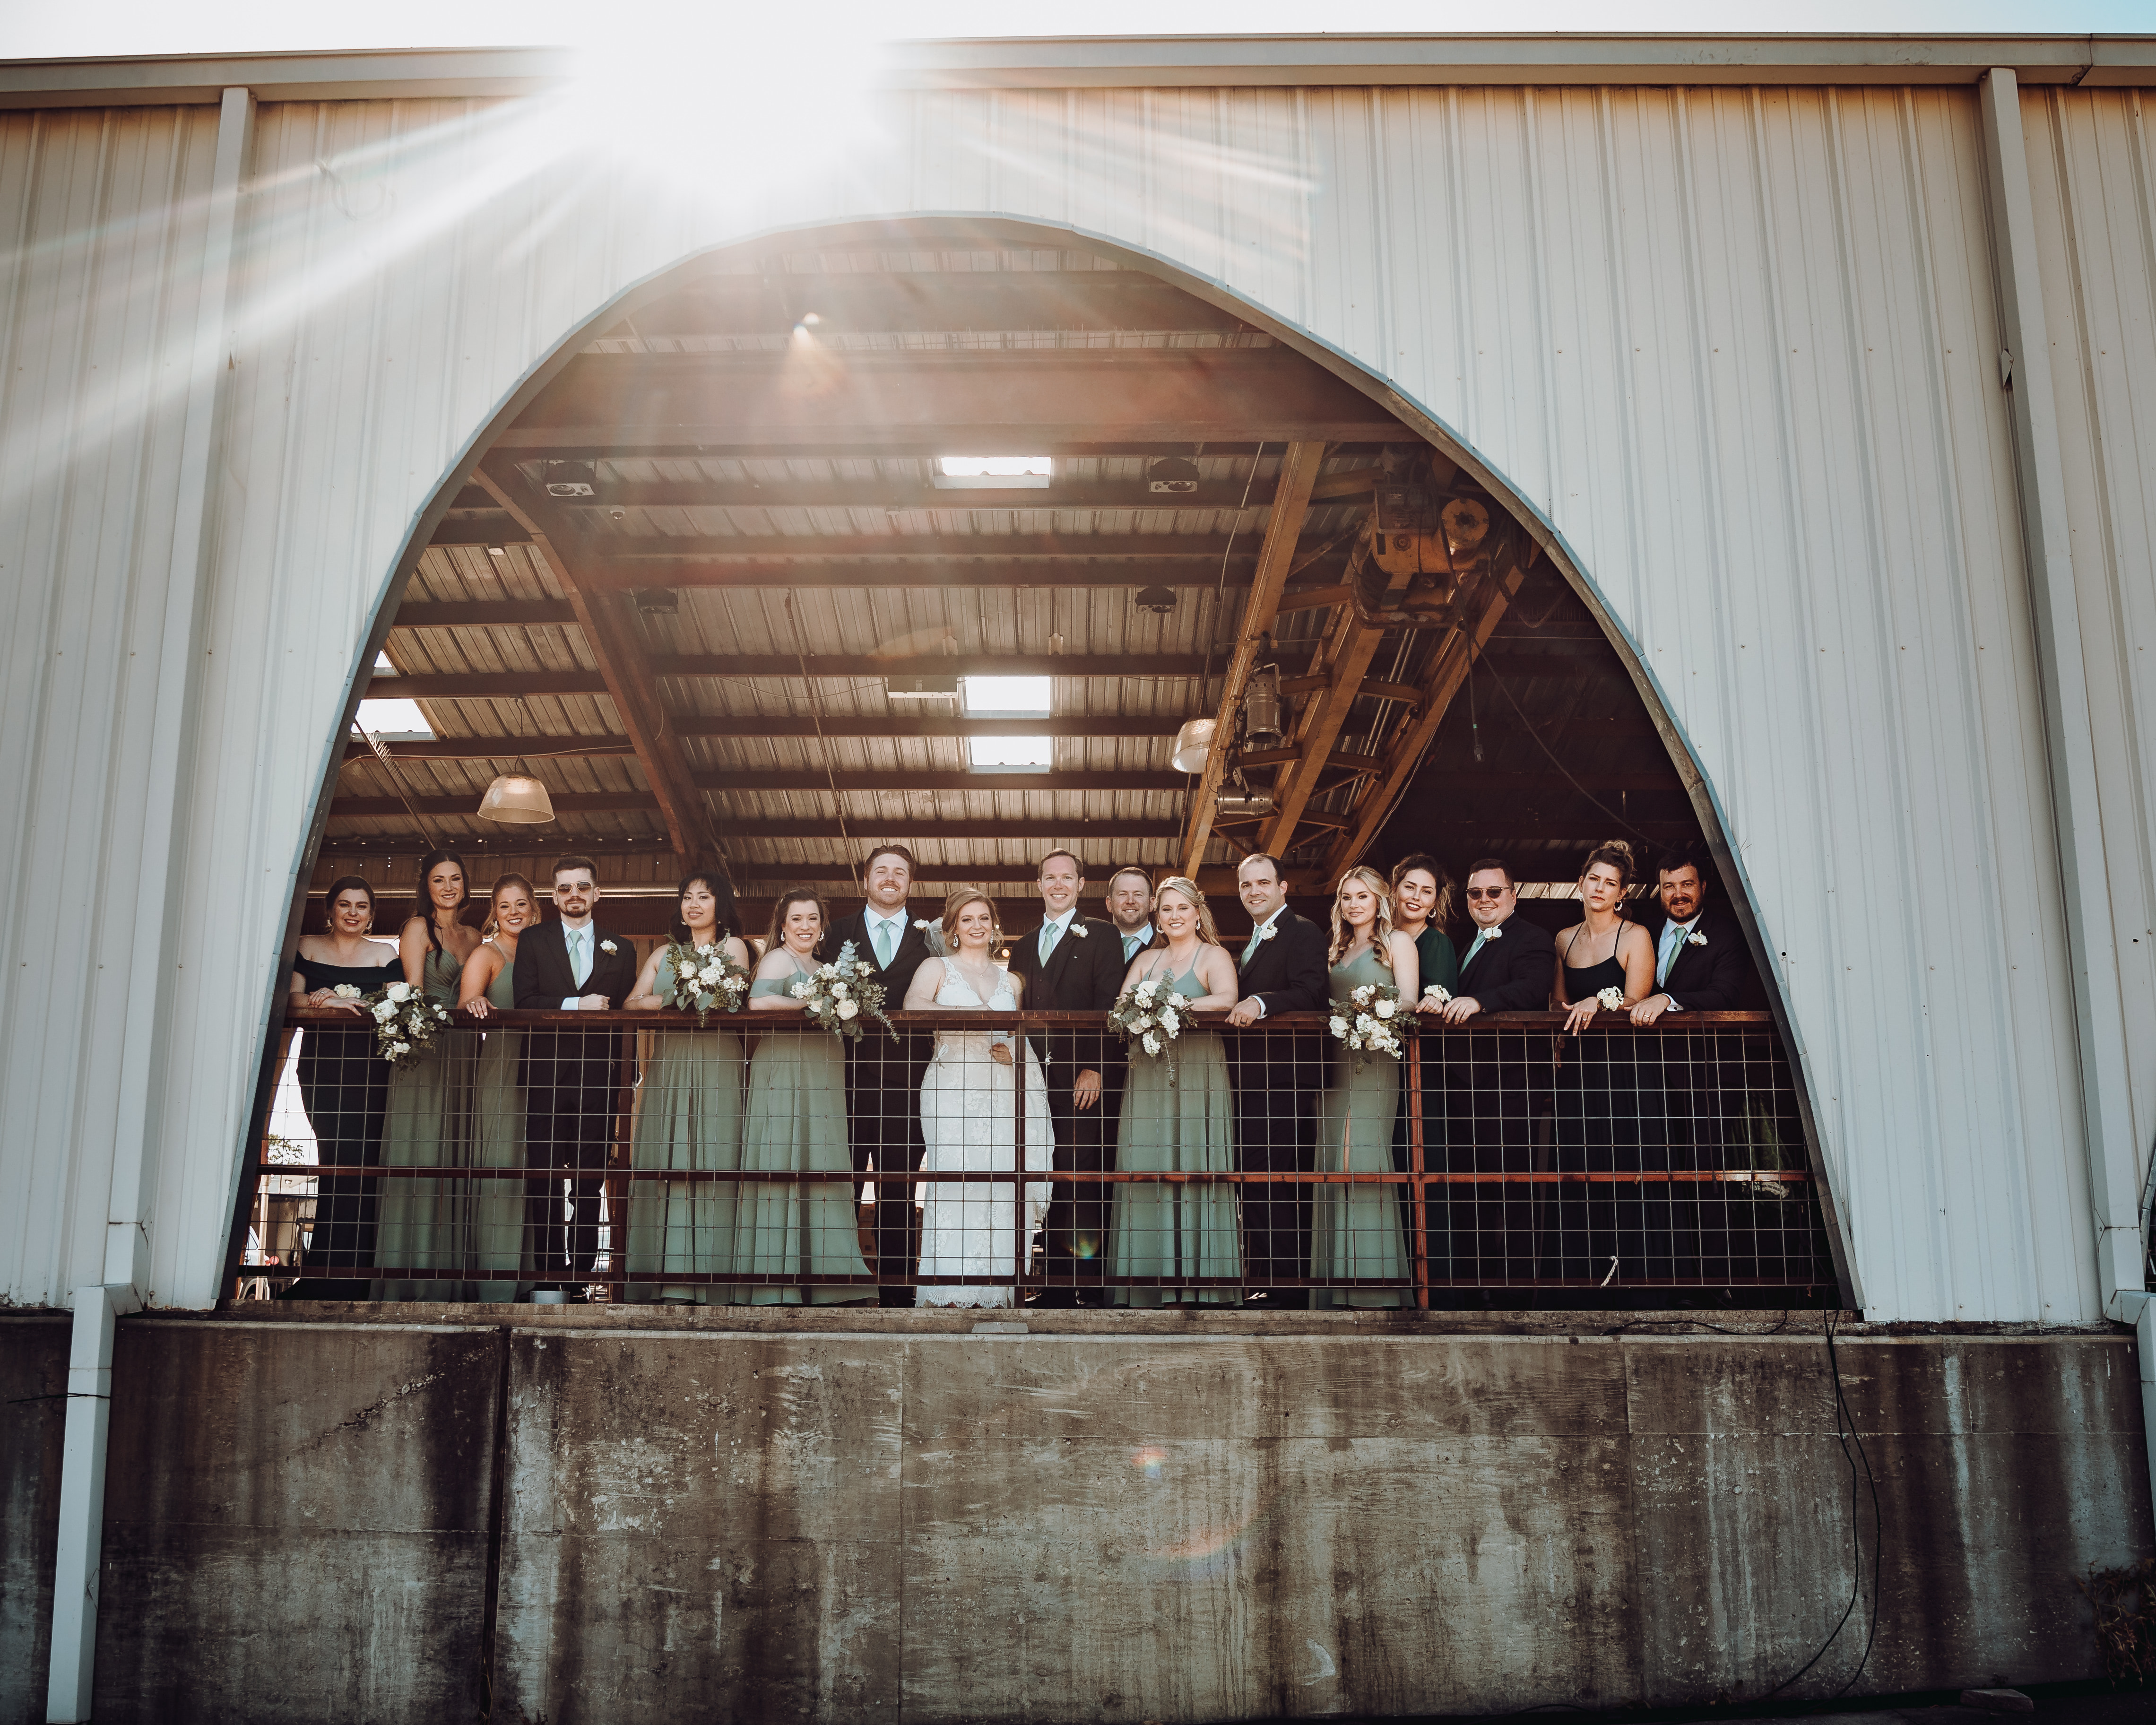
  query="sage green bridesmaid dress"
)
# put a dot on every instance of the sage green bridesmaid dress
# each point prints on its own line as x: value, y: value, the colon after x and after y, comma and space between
x: 494, y: 1234
x: 1175, y: 1231
x: 688, y: 1115
x: 1355, y: 1230
x: 423, y: 1125
x: 795, y: 1122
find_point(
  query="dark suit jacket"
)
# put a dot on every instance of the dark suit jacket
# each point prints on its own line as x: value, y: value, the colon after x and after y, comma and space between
x: 872, y: 1063
x: 898, y: 976
x: 554, y: 1058
x: 1287, y: 973
x: 1083, y: 973
x: 1513, y: 972
x: 1712, y: 978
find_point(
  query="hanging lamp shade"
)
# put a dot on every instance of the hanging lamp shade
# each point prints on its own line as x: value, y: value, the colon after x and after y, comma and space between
x: 1193, y: 743
x: 516, y: 800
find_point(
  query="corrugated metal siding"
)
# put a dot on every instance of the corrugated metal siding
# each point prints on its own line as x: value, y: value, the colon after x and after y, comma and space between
x: 1736, y: 345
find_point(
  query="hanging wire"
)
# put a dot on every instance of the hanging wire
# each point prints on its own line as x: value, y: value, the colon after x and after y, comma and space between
x: 389, y: 765
x: 1527, y: 726
x: 823, y: 743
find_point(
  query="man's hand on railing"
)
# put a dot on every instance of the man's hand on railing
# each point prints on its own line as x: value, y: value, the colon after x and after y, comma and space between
x: 1652, y: 1008
x: 1460, y: 1009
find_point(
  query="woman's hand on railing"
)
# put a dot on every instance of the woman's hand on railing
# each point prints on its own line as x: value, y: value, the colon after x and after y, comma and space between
x: 1581, y: 1016
x: 477, y: 1007
x: 329, y: 999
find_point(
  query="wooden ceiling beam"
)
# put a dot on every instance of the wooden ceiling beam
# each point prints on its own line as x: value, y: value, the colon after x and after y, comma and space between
x: 1448, y: 672
x: 608, y: 549
x: 464, y: 685
x: 984, y: 402
x: 1349, y: 647
x: 610, y: 636
x: 1291, y: 508
x: 783, y: 827
x: 495, y: 748
x: 810, y: 569
x: 887, y: 493
x: 919, y: 779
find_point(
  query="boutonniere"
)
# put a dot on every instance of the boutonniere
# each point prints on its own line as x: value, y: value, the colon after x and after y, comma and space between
x: 1268, y: 931
x: 923, y: 922
x: 608, y: 947
x: 1079, y: 929
x: 1695, y: 939
x: 1493, y: 934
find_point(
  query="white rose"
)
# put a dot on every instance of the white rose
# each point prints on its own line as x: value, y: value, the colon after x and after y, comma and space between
x: 1339, y: 1025
x: 1384, y: 1009
x: 402, y: 1048
x: 383, y: 1011
x: 848, y: 1008
x: 1169, y: 1021
x: 399, y: 991
x: 1437, y: 992
x: 344, y: 991
x: 1151, y: 1044
x: 1143, y: 1021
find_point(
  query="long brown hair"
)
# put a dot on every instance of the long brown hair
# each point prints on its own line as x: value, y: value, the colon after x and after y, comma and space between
x: 1381, y: 930
x: 1447, y: 907
x: 786, y: 901
x: 422, y: 902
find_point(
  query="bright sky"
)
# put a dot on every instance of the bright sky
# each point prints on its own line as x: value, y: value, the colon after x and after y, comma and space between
x: 32, y: 29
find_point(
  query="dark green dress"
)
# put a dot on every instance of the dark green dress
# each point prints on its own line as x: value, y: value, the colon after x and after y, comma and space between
x: 796, y: 1122
x: 688, y: 1115
x: 1161, y: 1234
x: 495, y: 1217
x: 424, y: 1125
x: 1355, y: 1230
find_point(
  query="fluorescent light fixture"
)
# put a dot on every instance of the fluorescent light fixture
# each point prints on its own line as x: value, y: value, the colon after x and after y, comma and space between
x: 1010, y: 754
x: 399, y: 719
x: 994, y: 466
x: 1006, y: 697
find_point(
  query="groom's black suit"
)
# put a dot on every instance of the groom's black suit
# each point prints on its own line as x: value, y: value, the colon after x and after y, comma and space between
x: 1278, y: 1075
x: 883, y: 1100
x: 1083, y: 973
x: 572, y: 1080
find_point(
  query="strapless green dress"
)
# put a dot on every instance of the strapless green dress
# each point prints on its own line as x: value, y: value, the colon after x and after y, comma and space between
x: 1161, y: 1234
x: 795, y: 1122
x: 688, y: 1115
x: 424, y: 1125
x: 1355, y: 1232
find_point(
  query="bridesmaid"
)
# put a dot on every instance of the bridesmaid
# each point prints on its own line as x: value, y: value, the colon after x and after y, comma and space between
x: 688, y: 1115
x: 343, y: 1086
x: 1425, y: 903
x: 796, y: 1122
x: 1355, y: 1229
x: 1598, y: 1085
x: 1162, y: 1235
x: 429, y: 1095
x: 494, y: 1239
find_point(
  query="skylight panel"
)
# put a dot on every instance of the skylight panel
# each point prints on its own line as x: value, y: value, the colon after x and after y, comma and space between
x: 1010, y: 754
x: 1005, y: 697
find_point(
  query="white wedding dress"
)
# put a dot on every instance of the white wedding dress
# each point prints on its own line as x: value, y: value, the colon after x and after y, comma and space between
x: 968, y: 1122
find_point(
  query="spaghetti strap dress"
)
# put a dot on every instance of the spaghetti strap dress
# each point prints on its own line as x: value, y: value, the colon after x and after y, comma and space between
x: 688, y: 1118
x: 1355, y: 1232
x: 495, y: 1216
x: 344, y: 1086
x: 795, y: 1122
x: 424, y: 1125
x: 1161, y: 1236
x: 1596, y: 1230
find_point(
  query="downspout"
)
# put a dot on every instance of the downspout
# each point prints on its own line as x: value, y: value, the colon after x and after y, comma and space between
x: 145, y: 1031
x: 2100, y: 1035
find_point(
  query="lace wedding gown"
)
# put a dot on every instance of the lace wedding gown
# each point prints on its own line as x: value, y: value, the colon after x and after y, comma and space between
x: 968, y: 1122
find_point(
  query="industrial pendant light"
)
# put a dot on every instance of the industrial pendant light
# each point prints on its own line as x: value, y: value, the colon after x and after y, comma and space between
x: 1193, y: 743
x: 516, y: 798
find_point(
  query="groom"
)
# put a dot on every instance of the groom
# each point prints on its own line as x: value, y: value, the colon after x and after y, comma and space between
x: 571, y: 1078
x: 883, y: 1082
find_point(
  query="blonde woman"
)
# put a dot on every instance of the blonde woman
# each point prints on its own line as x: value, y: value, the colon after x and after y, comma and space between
x: 494, y: 1227
x: 1355, y: 1230
x: 1163, y: 1238
x: 968, y: 1116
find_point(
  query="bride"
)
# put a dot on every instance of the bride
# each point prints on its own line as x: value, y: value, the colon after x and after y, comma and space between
x: 968, y: 1116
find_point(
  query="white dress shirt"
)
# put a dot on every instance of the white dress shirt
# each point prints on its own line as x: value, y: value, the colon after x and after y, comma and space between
x: 872, y: 919
x: 1061, y: 925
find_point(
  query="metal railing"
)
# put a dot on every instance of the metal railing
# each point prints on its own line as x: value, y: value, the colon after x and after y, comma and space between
x: 755, y: 1159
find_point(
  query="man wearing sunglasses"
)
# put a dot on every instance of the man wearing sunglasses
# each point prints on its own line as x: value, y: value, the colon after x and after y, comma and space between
x: 1489, y: 1109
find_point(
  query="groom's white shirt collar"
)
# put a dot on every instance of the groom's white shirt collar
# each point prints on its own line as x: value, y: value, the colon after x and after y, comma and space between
x: 1060, y: 924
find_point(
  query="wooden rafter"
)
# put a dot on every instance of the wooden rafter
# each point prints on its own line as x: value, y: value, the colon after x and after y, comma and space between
x: 611, y: 636
x: 1447, y: 674
x: 1348, y: 647
x: 1298, y: 476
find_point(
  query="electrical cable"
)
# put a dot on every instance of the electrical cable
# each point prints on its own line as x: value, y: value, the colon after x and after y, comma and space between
x: 1536, y: 735
x: 823, y: 743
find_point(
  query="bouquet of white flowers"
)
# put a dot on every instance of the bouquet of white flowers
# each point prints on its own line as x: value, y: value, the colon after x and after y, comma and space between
x: 405, y: 1021
x: 839, y: 995
x: 699, y: 971
x: 1151, y: 1015
x: 1374, y: 1024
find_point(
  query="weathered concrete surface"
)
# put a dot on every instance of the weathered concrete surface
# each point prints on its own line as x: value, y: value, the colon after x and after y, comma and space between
x: 33, y: 1421
x: 851, y: 1516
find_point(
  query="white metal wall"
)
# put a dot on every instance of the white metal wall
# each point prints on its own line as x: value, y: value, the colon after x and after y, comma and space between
x: 1736, y: 345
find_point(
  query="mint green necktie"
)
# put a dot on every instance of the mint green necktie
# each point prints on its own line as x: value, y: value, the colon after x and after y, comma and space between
x: 1050, y: 932
x: 1250, y: 945
x: 580, y: 966
x: 883, y: 945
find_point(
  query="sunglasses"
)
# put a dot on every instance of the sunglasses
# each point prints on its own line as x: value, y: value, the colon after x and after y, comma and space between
x: 1491, y: 892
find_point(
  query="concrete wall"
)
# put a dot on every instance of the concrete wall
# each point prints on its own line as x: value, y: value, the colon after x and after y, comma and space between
x: 1168, y: 1519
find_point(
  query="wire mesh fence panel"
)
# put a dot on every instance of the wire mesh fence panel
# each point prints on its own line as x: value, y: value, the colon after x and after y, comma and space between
x: 958, y: 1160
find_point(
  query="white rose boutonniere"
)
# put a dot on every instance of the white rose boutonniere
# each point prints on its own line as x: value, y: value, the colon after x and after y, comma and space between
x: 923, y: 922
x: 608, y: 947
x: 1493, y: 934
x: 1079, y: 929
x: 1695, y: 939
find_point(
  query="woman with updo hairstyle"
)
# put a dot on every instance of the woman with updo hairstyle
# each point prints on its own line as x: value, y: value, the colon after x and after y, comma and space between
x: 795, y: 1122
x: 344, y: 1086
x: 968, y: 1120
x: 429, y: 1117
x: 1605, y: 1229
x: 688, y: 1114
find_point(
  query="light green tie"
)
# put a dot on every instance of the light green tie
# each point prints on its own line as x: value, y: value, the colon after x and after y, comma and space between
x: 1250, y: 945
x: 580, y: 966
x: 883, y: 945
x: 1050, y: 932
